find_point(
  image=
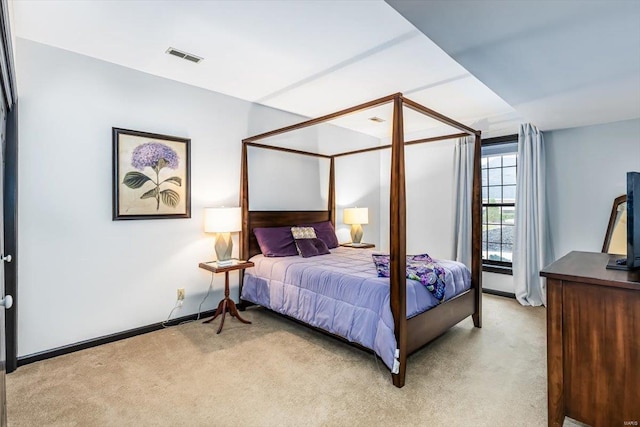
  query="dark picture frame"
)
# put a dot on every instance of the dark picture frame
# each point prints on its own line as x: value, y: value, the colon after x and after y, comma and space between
x: 151, y: 175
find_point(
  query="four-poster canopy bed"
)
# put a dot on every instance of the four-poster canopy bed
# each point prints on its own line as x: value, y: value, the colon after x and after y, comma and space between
x: 413, y: 333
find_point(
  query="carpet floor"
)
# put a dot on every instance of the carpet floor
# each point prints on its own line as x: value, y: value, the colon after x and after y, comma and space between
x: 278, y: 373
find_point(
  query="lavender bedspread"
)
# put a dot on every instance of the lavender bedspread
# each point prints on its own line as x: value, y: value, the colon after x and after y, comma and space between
x: 342, y: 293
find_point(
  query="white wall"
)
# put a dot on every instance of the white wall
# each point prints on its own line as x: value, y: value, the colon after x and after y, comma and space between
x: 498, y: 282
x: 358, y: 176
x: 82, y: 275
x: 354, y: 184
x: 586, y: 170
x: 295, y: 182
x: 429, y: 188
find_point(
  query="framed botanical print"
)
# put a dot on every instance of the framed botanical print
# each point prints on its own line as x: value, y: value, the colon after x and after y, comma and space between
x: 151, y: 176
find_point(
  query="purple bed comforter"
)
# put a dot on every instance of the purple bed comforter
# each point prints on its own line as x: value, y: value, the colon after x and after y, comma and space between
x: 342, y: 293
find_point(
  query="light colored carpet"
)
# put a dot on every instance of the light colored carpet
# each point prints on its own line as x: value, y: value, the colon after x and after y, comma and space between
x: 278, y: 373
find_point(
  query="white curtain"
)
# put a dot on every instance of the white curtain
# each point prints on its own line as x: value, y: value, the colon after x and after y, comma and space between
x: 463, y: 194
x: 531, y: 247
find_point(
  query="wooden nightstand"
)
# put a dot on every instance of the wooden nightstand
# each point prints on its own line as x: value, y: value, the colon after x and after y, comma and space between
x: 227, y: 304
x: 358, y: 245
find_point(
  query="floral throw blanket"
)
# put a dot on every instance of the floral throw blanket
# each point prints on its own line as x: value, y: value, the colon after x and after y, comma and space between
x: 421, y: 268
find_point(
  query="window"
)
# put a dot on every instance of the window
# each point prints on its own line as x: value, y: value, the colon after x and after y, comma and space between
x: 499, y: 166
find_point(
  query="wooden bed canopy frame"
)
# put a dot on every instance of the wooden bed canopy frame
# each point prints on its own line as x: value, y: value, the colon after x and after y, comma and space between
x: 411, y: 334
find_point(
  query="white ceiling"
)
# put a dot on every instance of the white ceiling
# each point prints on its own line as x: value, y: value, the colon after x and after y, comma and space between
x: 315, y: 57
x: 558, y: 63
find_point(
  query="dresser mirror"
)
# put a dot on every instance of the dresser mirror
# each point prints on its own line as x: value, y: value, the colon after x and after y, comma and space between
x: 615, y: 240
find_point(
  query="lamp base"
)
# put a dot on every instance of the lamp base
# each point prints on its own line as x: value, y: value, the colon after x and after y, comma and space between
x: 223, y: 247
x: 356, y: 233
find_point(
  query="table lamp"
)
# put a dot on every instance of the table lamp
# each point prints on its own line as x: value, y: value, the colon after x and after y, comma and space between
x: 356, y: 217
x: 223, y: 221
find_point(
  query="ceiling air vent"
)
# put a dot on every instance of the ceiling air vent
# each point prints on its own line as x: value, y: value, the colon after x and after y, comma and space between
x: 376, y: 119
x: 184, y: 55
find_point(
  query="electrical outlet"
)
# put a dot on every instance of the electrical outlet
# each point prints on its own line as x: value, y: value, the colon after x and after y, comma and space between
x: 180, y: 294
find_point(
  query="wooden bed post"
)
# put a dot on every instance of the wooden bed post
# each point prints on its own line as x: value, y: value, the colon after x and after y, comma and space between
x: 244, y: 205
x: 476, y: 233
x: 332, y: 191
x: 411, y: 334
x: 397, y: 239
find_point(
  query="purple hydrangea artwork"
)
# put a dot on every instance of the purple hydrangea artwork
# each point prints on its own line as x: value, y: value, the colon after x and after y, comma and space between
x: 150, y: 153
x: 156, y: 156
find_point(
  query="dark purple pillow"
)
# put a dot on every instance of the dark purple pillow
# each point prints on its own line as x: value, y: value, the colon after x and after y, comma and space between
x: 311, y: 247
x: 325, y: 232
x: 276, y: 241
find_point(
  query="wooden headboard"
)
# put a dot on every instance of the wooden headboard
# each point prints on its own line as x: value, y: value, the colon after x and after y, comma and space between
x: 277, y: 219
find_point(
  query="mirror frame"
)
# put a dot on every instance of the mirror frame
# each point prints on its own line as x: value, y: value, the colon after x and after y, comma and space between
x: 612, y: 219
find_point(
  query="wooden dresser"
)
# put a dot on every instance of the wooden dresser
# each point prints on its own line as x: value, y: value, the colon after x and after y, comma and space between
x: 593, y: 341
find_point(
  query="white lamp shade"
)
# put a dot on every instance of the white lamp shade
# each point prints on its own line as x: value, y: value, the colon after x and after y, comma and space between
x: 356, y: 216
x: 222, y: 220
